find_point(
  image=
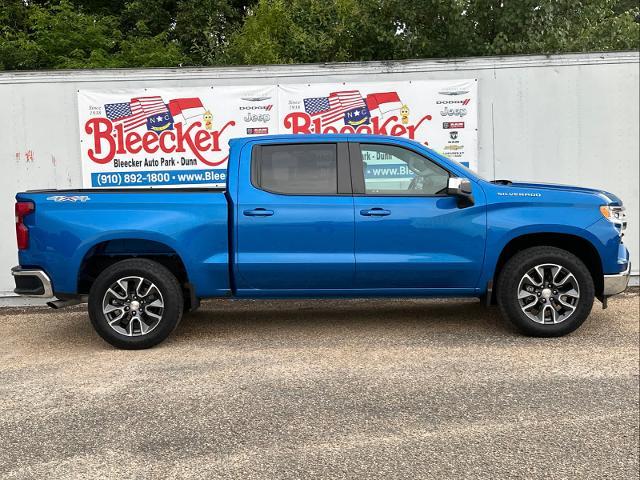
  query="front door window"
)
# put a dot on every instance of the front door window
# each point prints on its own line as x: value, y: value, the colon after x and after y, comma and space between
x: 391, y: 170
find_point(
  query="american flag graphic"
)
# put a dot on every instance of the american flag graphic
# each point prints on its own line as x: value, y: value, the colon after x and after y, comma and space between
x: 316, y: 105
x: 135, y: 113
x: 333, y: 107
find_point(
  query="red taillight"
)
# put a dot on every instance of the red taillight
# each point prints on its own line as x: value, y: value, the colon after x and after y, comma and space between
x: 22, y: 232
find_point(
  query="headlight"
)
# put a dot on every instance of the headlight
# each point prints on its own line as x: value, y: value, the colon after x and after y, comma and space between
x: 615, y: 214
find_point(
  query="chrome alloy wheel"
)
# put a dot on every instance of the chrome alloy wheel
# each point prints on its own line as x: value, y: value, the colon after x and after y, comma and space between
x: 548, y: 293
x: 133, y: 306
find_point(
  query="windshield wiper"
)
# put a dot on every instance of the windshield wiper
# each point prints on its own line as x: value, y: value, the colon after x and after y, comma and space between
x: 502, y: 182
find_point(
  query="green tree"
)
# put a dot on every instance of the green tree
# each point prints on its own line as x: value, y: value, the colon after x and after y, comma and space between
x: 61, y: 35
x: 291, y: 31
x: 552, y: 26
x: 203, y: 28
x: 37, y: 34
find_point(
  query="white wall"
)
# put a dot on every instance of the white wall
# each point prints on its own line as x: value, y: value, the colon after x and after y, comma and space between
x: 564, y: 118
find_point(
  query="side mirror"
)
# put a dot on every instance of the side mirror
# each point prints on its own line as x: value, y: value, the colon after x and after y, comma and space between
x: 461, y: 188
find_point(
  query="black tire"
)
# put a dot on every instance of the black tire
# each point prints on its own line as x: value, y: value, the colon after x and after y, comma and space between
x: 167, y: 285
x: 521, y: 263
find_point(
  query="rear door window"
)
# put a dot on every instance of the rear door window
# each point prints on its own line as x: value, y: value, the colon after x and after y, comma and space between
x: 303, y: 169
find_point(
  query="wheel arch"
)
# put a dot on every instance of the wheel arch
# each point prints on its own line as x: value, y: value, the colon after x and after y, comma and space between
x: 577, y: 245
x: 107, y: 252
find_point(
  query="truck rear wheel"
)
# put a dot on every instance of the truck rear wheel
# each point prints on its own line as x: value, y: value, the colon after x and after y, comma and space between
x: 545, y: 291
x: 135, y: 304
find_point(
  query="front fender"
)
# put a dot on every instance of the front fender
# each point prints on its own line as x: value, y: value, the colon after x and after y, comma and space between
x: 507, y: 223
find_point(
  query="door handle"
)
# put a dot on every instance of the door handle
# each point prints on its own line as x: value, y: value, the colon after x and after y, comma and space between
x: 258, y: 212
x: 375, y: 212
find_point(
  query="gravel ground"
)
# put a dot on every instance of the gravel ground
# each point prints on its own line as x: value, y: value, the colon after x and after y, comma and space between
x: 322, y: 389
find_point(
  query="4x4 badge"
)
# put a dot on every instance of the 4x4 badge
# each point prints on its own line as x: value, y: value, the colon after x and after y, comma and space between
x: 72, y: 198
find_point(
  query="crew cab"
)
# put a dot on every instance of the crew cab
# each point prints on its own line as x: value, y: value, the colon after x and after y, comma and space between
x: 323, y: 216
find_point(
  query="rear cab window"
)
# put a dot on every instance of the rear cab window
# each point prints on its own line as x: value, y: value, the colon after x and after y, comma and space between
x: 305, y: 169
x: 301, y: 169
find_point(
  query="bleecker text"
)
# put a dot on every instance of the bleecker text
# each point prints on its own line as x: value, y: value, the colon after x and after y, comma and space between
x: 300, y: 122
x: 109, y: 141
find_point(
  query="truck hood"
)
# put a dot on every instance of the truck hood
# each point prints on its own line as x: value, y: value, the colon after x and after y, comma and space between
x: 606, y: 196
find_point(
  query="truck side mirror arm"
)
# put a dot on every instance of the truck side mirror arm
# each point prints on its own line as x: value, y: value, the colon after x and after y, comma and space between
x: 461, y: 188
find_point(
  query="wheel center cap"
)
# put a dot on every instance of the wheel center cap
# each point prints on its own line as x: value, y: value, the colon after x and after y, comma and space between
x: 546, y: 293
x: 135, y: 305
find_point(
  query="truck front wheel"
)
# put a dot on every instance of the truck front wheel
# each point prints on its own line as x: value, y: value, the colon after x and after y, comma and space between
x: 545, y: 291
x: 135, y: 304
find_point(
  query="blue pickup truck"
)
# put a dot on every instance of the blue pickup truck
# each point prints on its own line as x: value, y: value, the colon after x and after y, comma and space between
x: 323, y: 216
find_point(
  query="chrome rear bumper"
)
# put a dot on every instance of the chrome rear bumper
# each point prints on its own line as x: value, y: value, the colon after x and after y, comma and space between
x: 617, y: 283
x: 32, y: 283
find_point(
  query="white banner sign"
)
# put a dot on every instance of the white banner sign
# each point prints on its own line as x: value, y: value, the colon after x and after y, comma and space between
x: 179, y: 137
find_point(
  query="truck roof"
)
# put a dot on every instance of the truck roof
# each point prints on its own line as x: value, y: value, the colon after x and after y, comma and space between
x: 325, y: 137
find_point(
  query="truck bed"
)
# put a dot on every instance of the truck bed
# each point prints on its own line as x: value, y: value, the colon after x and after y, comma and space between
x: 69, y: 226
